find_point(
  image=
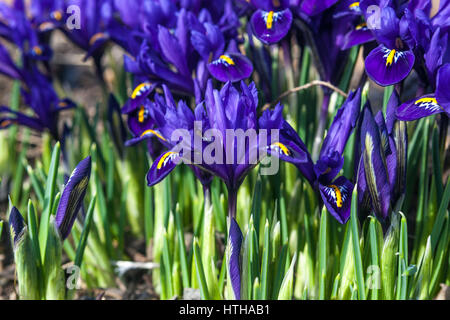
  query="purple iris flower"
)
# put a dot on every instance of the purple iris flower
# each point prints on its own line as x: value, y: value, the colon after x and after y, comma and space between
x: 16, y: 28
x: 222, y: 112
x: 271, y: 21
x: 40, y: 96
x: 394, y: 58
x: 72, y: 197
x: 185, y: 45
x: 48, y: 15
x: 382, y: 167
x: 207, y: 140
x: 350, y: 12
x: 429, y: 104
x: 334, y: 192
x: 97, y: 26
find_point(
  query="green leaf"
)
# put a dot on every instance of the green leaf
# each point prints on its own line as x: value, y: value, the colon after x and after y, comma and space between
x: 356, y: 247
x: 48, y: 199
x: 323, y: 252
x: 287, y: 285
x: 389, y: 259
x: 256, y: 203
x: 402, y: 278
x: 437, y: 165
x: 33, y: 232
x: 439, y: 223
x: 375, y: 255
x: 37, y: 186
x: 265, y: 262
x: 167, y: 265
x: 85, y: 232
x: 200, y: 273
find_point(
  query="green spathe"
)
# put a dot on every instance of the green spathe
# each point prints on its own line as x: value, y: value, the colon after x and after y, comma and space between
x: 54, y: 275
x: 26, y: 268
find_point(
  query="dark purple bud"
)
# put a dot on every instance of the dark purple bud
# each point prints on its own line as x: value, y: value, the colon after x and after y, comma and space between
x: 235, y: 241
x: 72, y: 197
x: 17, y: 226
x: 376, y: 173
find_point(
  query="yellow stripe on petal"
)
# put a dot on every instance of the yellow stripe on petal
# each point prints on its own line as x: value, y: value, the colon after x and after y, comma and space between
x: 269, y: 21
x: 426, y: 100
x: 57, y: 15
x: 163, y: 159
x: 354, y: 5
x: 141, y: 114
x: 227, y: 59
x: 361, y: 26
x: 138, y: 91
x: 282, y: 147
x: 46, y: 26
x: 338, y: 194
x: 5, y: 123
x: 390, y: 57
x: 37, y: 50
x: 154, y: 133
x: 96, y: 37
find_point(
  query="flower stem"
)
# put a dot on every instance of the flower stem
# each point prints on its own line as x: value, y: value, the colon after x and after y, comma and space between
x: 232, y: 202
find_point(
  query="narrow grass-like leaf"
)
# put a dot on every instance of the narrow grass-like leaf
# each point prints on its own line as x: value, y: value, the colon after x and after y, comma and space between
x: 37, y: 186
x: 287, y: 285
x: 256, y: 203
x: 265, y: 262
x: 49, y: 199
x: 200, y: 273
x: 334, y: 292
x: 148, y: 214
x: 167, y: 265
x: 441, y: 256
x: 323, y: 252
x: 182, y: 248
x: 356, y: 247
x: 439, y: 223
x: 280, y: 265
x: 33, y: 232
x: 375, y: 256
x: 102, y: 207
x: 424, y: 277
x: 402, y: 278
x: 122, y: 219
x: 85, y: 232
x: 437, y: 165
x: 17, y: 182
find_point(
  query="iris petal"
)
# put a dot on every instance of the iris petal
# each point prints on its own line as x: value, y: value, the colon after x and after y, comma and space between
x: 337, y: 198
x: 387, y: 67
x: 376, y: 174
x: 231, y: 67
x: 419, y: 108
x: 162, y: 166
x: 443, y: 87
x: 271, y: 26
x: 138, y: 96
